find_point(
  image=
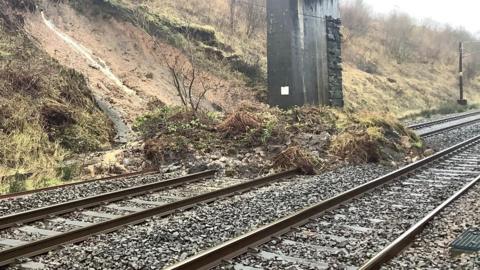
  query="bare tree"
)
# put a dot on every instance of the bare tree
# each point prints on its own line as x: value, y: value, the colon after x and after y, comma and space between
x: 399, y: 32
x: 188, y: 80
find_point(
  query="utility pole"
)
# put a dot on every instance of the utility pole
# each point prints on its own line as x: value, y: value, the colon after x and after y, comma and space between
x: 462, y: 100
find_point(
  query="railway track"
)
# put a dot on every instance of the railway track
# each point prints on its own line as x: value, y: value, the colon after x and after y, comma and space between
x: 108, y: 178
x: 40, y: 230
x: 439, y: 126
x: 360, y: 228
x: 53, y: 226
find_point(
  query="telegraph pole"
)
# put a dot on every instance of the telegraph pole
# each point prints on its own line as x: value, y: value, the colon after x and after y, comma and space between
x: 462, y: 100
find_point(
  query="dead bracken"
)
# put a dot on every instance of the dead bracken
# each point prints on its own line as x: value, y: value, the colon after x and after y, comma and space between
x: 312, y: 138
x: 294, y: 157
x: 238, y: 123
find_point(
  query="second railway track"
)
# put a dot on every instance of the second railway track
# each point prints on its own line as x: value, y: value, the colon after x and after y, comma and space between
x: 431, y: 128
x: 345, y: 231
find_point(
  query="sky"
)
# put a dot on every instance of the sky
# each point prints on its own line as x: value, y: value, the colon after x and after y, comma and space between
x: 465, y: 13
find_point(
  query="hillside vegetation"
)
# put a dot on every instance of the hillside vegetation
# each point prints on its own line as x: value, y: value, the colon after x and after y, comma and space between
x: 210, y: 56
x: 46, y: 111
x: 391, y: 63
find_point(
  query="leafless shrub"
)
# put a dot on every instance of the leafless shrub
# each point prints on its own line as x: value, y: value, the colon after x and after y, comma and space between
x: 185, y: 76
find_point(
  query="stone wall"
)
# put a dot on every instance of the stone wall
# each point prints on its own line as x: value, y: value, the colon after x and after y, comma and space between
x: 334, y: 58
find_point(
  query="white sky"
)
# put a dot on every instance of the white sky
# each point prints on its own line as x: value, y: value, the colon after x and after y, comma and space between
x: 465, y: 13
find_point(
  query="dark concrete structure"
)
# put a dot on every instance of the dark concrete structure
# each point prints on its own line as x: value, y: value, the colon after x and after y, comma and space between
x: 304, y: 53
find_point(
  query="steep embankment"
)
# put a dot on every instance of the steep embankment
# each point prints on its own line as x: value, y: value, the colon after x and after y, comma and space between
x: 116, y: 53
x: 374, y: 79
x: 46, y: 110
x: 123, y: 131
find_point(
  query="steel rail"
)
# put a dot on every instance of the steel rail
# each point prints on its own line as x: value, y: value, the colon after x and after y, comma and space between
x: 9, y: 256
x: 115, y: 177
x: 71, y: 206
x: 408, y: 237
x: 237, y: 246
x: 441, y: 121
x: 437, y: 131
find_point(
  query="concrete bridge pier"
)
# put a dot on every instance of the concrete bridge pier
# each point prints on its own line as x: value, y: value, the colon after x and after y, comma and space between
x: 304, y: 53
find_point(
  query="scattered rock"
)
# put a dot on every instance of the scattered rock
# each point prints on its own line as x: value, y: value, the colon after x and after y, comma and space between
x: 197, y: 168
x: 89, y: 171
x: 149, y: 75
x: 118, y: 169
x: 94, y: 66
x: 429, y: 152
x: 391, y: 80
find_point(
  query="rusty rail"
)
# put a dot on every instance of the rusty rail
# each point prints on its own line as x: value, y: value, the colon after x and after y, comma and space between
x: 9, y: 256
x: 71, y: 206
x: 408, y: 237
x: 440, y: 130
x: 235, y: 247
x: 441, y: 121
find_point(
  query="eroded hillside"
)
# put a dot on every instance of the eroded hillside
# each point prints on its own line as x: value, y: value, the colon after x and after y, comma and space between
x: 391, y: 64
x: 46, y: 110
x: 109, y: 38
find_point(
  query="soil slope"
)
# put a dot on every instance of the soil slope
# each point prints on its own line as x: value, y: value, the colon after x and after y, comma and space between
x: 127, y: 50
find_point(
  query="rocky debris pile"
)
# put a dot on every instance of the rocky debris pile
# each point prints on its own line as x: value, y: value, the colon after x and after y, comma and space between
x: 253, y: 138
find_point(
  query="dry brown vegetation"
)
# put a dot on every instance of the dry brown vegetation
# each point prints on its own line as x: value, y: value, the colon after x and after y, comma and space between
x: 309, y: 138
x: 392, y: 63
x: 296, y: 157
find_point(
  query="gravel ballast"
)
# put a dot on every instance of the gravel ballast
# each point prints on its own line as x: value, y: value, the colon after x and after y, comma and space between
x: 346, y: 237
x: 64, y: 194
x: 452, y: 137
x: 162, y: 241
x: 431, y: 249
